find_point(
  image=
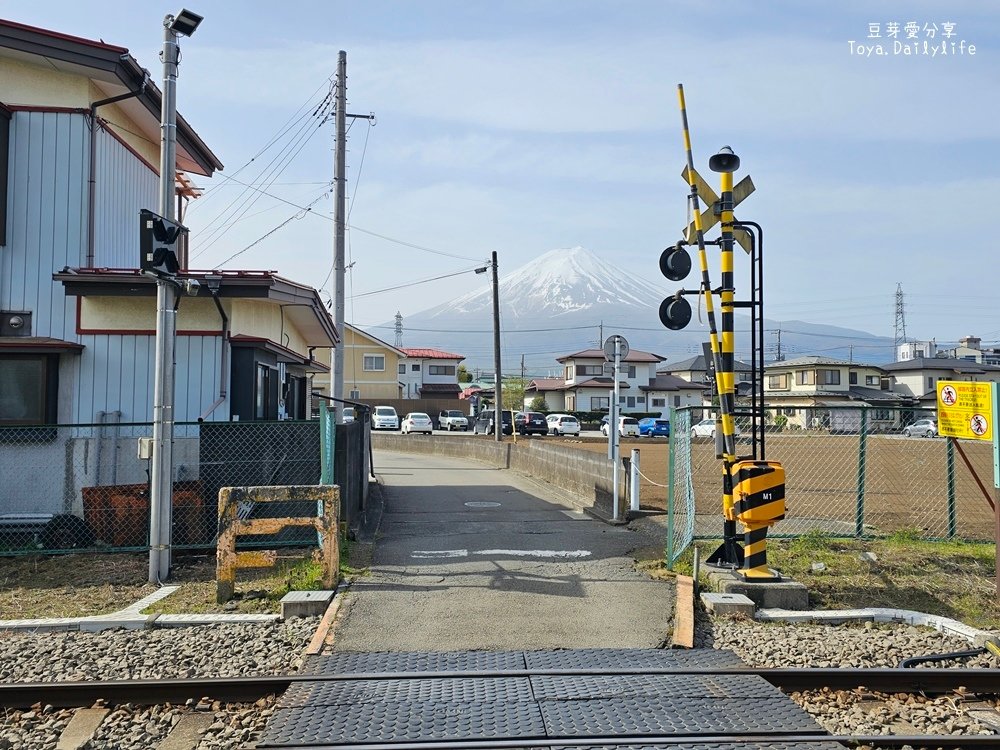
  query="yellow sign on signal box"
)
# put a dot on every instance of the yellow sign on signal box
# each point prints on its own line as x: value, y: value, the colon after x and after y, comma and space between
x: 965, y: 410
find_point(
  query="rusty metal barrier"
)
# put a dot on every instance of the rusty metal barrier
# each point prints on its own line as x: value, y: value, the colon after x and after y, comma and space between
x: 231, y: 526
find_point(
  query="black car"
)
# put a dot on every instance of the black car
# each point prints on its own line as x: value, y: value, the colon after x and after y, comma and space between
x: 531, y: 423
x: 484, y: 424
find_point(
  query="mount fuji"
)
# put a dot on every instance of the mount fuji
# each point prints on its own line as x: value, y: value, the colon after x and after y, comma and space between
x: 566, y: 300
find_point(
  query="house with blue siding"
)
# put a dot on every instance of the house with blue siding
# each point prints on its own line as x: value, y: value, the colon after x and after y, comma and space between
x: 79, y: 145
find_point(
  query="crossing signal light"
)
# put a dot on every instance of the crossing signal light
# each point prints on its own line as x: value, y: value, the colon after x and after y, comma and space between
x: 675, y: 312
x: 157, y: 244
x: 675, y: 262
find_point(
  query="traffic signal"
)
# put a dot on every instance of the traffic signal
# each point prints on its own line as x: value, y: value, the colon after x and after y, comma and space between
x: 157, y: 242
x: 675, y: 264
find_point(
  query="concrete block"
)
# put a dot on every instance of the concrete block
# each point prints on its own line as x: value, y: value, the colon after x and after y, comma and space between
x: 783, y: 594
x: 727, y: 604
x: 305, y: 603
x: 81, y: 728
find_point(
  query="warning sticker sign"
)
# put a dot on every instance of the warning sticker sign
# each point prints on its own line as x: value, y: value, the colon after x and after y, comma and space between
x: 964, y: 410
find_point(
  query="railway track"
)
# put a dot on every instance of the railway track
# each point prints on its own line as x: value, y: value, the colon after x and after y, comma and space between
x: 247, y: 690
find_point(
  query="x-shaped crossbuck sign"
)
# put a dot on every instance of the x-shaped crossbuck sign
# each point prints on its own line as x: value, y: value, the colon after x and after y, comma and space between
x: 710, y: 218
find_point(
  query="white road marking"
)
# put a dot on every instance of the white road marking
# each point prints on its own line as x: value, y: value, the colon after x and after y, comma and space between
x: 543, y: 553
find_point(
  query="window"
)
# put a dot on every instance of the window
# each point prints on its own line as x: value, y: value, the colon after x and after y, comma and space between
x: 743, y: 377
x: 790, y: 412
x: 661, y: 402
x: 402, y: 369
x: 778, y: 382
x: 631, y: 371
x: 871, y: 380
x: 829, y: 377
x: 630, y: 402
x: 677, y: 401
x: 590, y: 369
x: 852, y: 378
x: 930, y: 384
x: 441, y: 370
x: 600, y: 403
x: 414, y: 368
x: 640, y: 400
x: 30, y: 386
x: 882, y: 415
x: 805, y: 377
x: 355, y: 395
x: 621, y: 400
x: 569, y: 372
x: 263, y: 406
x: 570, y: 402
x: 374, y: 363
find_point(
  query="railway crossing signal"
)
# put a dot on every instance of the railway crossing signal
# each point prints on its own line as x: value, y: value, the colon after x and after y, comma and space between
x: 158, y: 239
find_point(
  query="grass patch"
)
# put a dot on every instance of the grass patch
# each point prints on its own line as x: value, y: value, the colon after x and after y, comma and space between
x: 949, y: 578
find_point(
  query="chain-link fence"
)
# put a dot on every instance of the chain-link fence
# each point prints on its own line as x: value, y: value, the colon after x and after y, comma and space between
x: 76, y: 487
x: 851, y: 471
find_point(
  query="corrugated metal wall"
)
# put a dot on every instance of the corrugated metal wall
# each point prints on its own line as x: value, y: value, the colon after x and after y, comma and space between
x: 124, y: 186
x: 47, y: 221
x: 116, y: 373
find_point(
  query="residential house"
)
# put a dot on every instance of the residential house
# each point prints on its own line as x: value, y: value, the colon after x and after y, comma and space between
x: 918, y: 378
x: 697, y: 370
x: 587, y: 385
x: 970, y: 349
x: 809, y: 392
x: 430, y: 373
x: 79, y: 145
x: 371, y: 368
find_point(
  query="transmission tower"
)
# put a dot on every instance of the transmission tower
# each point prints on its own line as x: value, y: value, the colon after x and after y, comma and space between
x: 399, y: 330
x: 899, y: 329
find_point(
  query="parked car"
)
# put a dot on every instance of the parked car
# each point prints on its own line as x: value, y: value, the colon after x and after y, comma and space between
x: 452, y: 419
x: 384, y: 418
x: 563, y: 424
x: 531, y: 423
x: 485, y: 425
x: 654, y: 427
x: 627, y: 426
x: 706, y: 428
x: 417, y: 421
x: 921, y: 428
x: 348, y: 414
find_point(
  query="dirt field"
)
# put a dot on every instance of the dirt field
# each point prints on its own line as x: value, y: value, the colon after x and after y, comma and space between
x: 905, y: 481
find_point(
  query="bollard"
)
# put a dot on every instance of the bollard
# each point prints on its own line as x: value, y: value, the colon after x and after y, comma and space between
x: 634, y: 482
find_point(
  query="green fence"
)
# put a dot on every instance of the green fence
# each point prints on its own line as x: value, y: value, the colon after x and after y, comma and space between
x: 851, y: 471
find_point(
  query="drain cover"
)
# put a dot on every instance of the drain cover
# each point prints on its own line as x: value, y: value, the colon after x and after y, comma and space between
x: 482, y: 504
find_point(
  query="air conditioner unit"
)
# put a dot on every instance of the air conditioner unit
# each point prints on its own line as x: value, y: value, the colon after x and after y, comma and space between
x: 15, y: 323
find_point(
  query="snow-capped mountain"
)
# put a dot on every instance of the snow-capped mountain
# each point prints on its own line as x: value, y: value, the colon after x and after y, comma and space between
x: 567, y: 300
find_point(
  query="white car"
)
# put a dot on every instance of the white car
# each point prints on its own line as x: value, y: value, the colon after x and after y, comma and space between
x: 921, y: 428
x: 563, y: 424
x: 384, y: 418
x: 348, y: 414
x: 417, y: 421
x: 706, y: 428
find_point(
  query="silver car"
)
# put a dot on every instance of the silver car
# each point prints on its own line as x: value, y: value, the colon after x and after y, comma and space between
x: 921, y: 428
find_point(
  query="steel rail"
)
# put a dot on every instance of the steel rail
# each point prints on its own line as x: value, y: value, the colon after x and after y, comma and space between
x: 672, y: 740
x: 249, y: 689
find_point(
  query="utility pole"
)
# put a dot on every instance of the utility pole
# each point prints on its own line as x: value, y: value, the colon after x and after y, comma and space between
x: 498, y: 420
x: 613, y: 432
x: 340, y: 220
x: 161, y: 475
x: 522, y: 368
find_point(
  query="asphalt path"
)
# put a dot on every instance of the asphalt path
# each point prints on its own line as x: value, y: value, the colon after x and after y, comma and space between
x: 472, y: 557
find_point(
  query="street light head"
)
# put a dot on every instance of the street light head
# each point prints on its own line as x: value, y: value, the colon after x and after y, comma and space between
x: 724, y: 161
x: 482, y: 270
x: 184, y: 23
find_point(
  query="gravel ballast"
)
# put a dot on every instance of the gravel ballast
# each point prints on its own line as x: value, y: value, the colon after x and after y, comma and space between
x: 223, y: 650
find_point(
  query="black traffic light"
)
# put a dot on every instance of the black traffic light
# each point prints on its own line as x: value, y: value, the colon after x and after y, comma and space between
x: 675, y: 264
x: 157, y: 242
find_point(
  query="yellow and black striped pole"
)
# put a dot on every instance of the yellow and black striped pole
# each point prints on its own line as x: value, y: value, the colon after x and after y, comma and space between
x: 729, y: 554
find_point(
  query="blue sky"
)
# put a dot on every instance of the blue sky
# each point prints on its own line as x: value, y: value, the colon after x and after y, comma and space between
x: 526, y: 126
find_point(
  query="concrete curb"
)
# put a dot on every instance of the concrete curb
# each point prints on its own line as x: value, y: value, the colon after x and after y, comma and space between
x: 129, y: 618
x: 881, y: 614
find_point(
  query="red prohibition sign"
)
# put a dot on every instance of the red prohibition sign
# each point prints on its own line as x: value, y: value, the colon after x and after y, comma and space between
x: 948, y: 396
x: 978, y: 424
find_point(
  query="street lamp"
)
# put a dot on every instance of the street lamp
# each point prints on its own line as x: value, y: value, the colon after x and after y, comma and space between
x: 161, y: 480
x: 498, y: 407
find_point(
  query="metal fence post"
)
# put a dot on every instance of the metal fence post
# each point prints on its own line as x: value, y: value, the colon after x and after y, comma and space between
x: 859, y: 508
x: 950, y: 463
x: 327, y: 439
x: 670, y: 491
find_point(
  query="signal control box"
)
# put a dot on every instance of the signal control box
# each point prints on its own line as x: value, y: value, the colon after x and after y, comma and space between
x: 758, y: 492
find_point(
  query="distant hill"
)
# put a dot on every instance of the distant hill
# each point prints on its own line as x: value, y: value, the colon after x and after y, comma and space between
x: 565, y: 300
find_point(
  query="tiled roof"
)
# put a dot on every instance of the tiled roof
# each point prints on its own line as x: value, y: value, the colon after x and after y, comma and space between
x: 430, y: 354
x: 814, y: 360
x: 451, y: 388
x: 664, y: 382
x: 940, y: 363
x: 698, y: 363
x: 546, y: 384
x: 634, y: 355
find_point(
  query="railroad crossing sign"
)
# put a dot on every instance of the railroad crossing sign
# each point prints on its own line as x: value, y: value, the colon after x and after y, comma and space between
x: 965, y: 410
x: 710, y: 218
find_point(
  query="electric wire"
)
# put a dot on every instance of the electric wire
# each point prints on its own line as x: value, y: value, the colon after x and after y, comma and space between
x: 411, y: 283
x: 290, y: 219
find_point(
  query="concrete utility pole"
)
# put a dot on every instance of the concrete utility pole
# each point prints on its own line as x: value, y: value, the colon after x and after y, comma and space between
x: 340, y: 179
x: 613, y: 433
x: 498, y: 420
x: 161, y: 478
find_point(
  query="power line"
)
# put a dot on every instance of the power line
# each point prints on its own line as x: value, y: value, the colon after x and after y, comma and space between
x: 412, y: 283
